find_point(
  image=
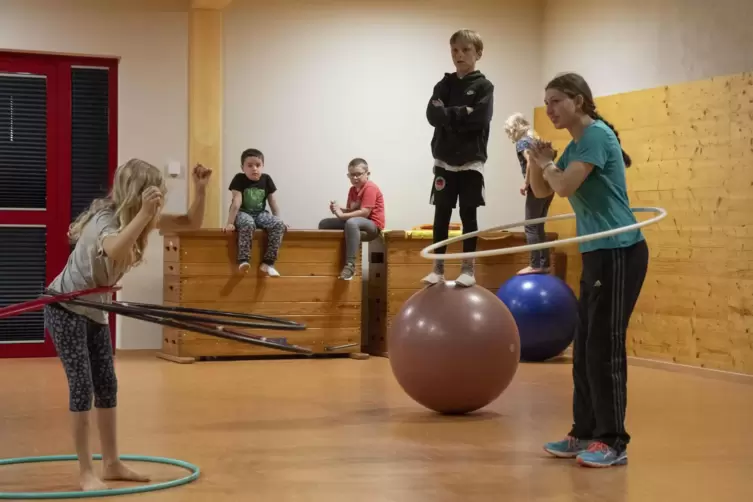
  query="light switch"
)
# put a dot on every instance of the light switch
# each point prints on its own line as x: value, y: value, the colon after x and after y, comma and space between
x: 173, y: 169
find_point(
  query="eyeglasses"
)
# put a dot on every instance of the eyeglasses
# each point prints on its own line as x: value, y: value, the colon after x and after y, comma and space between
x: 355, y: 175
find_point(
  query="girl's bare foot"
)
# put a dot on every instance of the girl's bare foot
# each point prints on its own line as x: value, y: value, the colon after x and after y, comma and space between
x: 90, y: 482
x: 118, y: 471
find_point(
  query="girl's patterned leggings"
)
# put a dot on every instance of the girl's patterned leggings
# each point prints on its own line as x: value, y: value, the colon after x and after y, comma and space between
x: 85, y: 349
x: 246, y: 224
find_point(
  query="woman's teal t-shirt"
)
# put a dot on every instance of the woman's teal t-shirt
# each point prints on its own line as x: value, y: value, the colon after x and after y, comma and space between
x: 601, y: 202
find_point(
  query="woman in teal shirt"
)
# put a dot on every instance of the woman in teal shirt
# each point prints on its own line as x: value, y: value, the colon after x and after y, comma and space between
x: 591, y: 174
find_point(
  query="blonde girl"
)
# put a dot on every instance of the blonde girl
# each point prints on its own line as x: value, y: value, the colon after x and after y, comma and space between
x: 520, y: 132
x: 111, y: 238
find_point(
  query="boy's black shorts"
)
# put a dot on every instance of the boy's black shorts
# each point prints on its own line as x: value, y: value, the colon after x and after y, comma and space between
x: 449, y: 186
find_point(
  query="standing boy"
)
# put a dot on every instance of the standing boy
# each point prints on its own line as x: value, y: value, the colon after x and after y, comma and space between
x: 460, y: 109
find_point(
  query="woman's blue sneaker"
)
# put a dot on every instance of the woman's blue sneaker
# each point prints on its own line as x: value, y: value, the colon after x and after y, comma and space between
x: 569, y: 447
x: 601, y: 455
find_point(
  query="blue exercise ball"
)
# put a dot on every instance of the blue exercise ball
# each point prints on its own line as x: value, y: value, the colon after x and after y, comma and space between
x: 546, y: 311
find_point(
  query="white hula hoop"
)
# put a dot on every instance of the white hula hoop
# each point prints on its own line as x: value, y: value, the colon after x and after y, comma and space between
x: 427, y: 251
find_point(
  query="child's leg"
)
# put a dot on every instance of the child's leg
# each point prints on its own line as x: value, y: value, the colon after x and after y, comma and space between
x: 245, y: 226
x: 275, y: 228
x: 616, y: 276
x: 471, y: 193
x: 106, y: 400
x: 536, y: 208
x: 440, y: 232
x: 68, y: 333
x: 444, y: 195
x: 332, y: 224
x: 353, y: 229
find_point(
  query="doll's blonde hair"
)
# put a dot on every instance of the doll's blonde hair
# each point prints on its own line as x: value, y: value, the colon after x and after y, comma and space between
x: 517, y: 126
x: 131, y: 179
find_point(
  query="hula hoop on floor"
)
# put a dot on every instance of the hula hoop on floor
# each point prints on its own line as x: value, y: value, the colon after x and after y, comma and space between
x: 192, y: 476
x: 427, y: 251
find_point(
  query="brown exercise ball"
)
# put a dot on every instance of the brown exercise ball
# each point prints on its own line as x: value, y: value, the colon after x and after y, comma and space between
x: 454, y: 349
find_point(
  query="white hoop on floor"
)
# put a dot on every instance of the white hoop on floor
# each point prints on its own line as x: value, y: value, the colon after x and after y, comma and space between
x: 427, y: 251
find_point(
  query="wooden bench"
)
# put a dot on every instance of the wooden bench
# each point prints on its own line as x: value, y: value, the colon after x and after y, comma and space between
x: 396, y: 269
x: 200, y: 271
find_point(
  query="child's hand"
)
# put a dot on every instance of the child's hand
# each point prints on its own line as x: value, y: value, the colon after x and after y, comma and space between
x: 229, y: 228
x: 437, y: 102
x: 201, y: 175
x: 151, y: 201
x: 524, y: 190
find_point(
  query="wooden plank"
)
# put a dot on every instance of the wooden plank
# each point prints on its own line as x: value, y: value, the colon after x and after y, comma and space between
x: 321, y: 315
x: 248, y: 290
x: 324, y: 253
x: 331, y: 268
x: 280, y: 308
x: 198, y: 345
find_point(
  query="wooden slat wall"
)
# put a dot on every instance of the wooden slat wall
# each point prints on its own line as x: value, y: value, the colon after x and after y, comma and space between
x: 200, y: 271
x: 692, y: 148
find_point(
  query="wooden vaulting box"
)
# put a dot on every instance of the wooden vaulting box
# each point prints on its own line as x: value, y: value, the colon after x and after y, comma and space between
x: 200, y: 271
x: 396, y: 269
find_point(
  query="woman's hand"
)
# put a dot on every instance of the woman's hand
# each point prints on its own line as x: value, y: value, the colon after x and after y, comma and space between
x: 229, y: 228
x: 542, y: 153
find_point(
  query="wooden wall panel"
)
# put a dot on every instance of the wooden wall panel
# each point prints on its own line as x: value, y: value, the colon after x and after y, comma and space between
x: 200, y: 271
x: 692, y: 148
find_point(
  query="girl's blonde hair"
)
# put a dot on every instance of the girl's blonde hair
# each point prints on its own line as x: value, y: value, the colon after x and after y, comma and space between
x: 517, y: 126
x: 131, y: 179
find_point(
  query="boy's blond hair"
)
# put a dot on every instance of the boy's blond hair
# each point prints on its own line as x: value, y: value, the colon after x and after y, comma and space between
x: 468, y: 36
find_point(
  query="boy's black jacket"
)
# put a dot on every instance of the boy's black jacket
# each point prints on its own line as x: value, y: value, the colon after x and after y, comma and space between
x: 460, y: 137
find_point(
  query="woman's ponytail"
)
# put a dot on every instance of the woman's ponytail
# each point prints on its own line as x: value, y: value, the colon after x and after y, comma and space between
x: 625, y: 157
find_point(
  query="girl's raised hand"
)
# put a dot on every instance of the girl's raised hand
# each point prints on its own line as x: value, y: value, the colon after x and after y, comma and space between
x: 151, y: 201
x: 201, y: 175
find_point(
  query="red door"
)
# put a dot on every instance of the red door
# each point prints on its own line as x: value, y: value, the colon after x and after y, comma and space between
x: 53, y: 138
x: 32, y: 222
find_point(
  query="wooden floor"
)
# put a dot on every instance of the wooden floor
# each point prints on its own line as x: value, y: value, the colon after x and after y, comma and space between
x: 342, y: 430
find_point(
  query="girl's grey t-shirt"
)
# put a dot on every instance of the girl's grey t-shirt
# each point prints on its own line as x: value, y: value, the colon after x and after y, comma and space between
x: 89, y: 267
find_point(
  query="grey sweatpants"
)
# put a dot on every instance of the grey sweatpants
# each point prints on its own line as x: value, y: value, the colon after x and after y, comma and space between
x: 537, y: 208
x: 353, y: 228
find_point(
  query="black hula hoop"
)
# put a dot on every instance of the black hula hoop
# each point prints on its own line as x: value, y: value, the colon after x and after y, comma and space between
x: 169, y: 312
x: 237, y: 315
x: 163, y: 320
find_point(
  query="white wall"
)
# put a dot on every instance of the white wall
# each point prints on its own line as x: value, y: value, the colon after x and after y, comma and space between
x: 627, y: 45
x: 151, y: 38
x: 314, y: 84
